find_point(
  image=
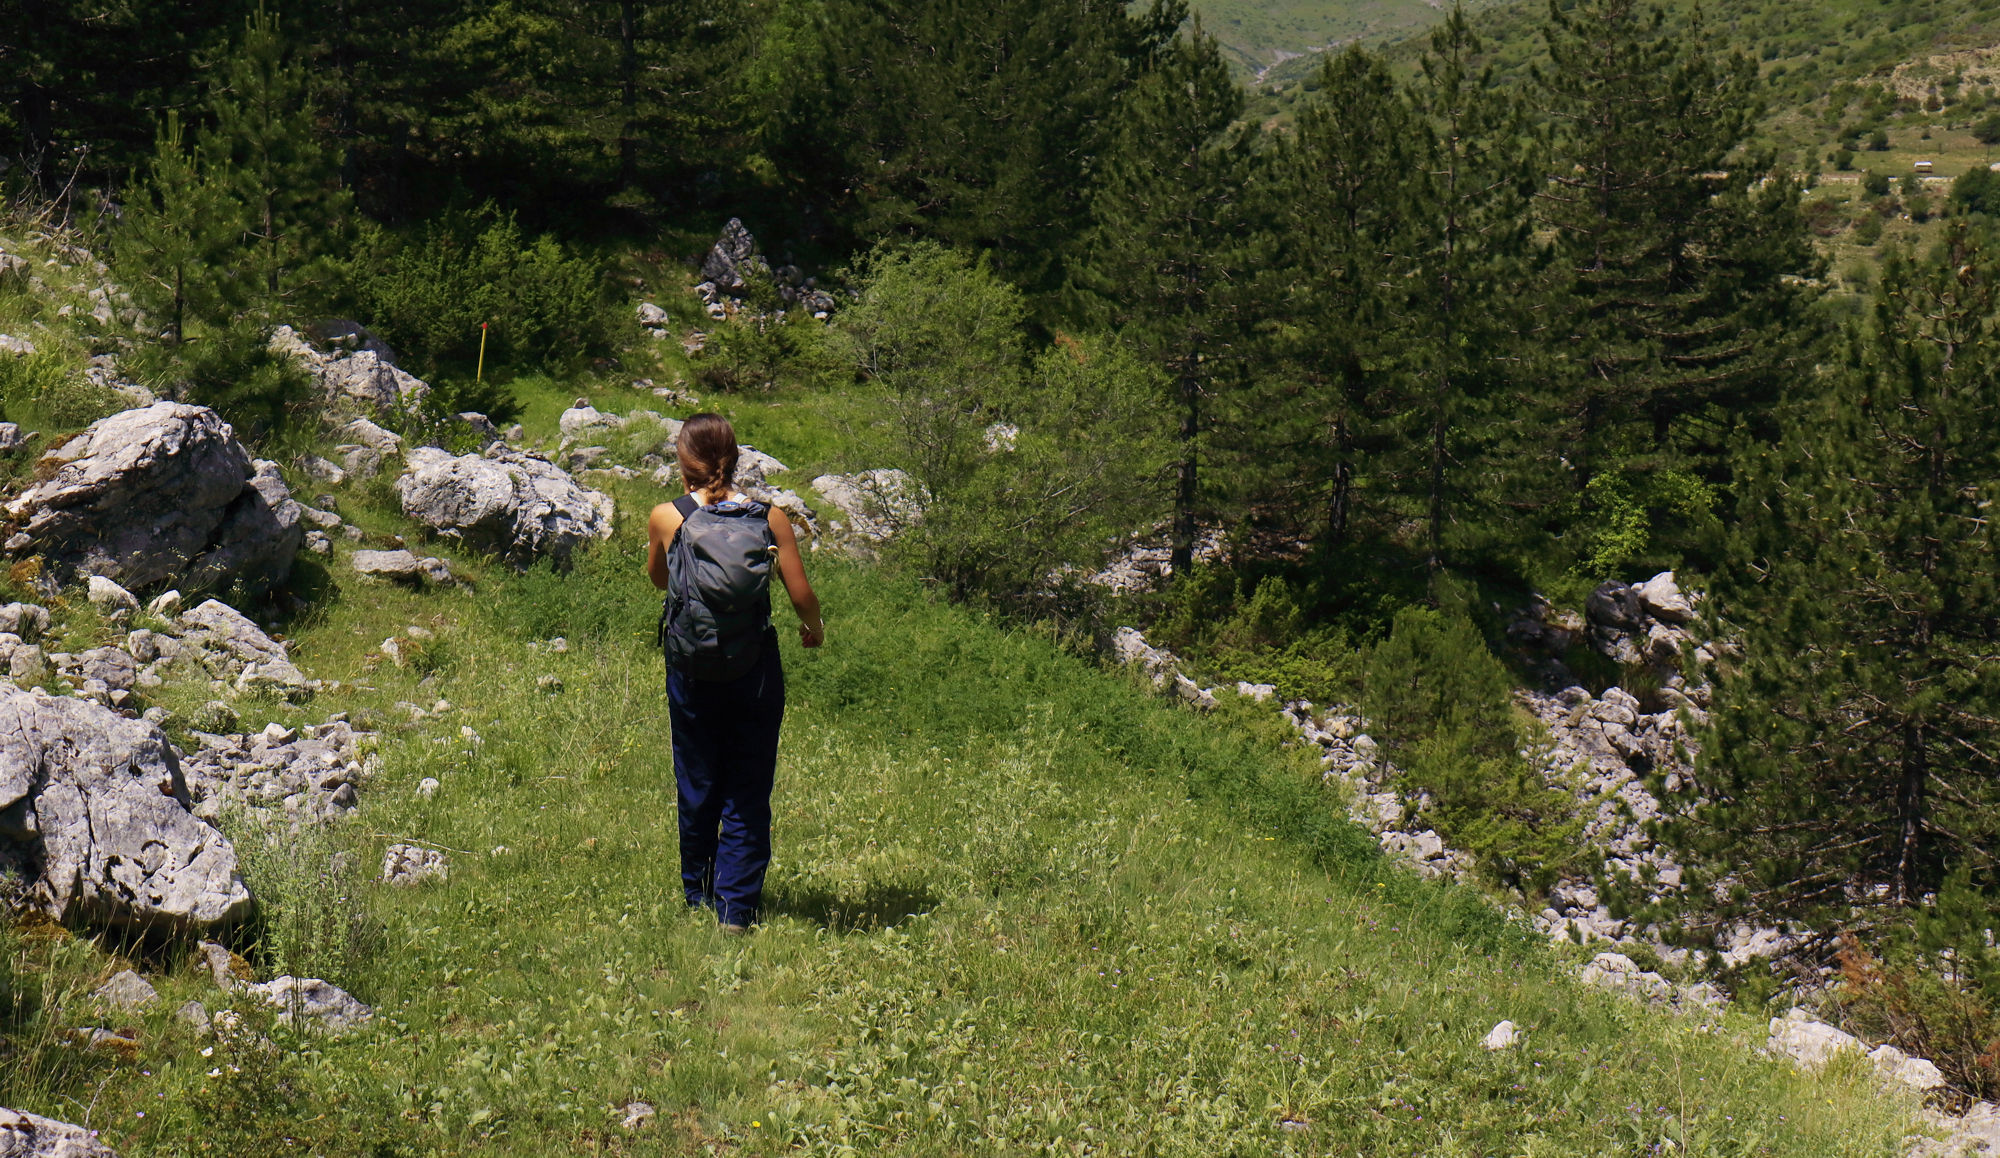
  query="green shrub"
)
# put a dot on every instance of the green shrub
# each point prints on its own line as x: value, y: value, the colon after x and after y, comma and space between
x: 1085, y: 458
x: 1986, y: 130
x: 1875, y: 184
x: 763, y: 353
x: 234, y: 371
x: 543, y: 305
x: 1441, y: 705
x: 309, y: 922
x: 1977, y: 191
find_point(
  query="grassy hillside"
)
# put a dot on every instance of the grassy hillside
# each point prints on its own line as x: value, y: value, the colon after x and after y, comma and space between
x: 1019, y: 905
x: 1259, y: 34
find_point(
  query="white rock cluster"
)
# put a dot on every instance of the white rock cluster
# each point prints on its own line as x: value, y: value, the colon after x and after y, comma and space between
x: 1161, y: 667
x: 281, y: 773
x: 349, y: 379
x: 875, y: 506
x: 1148, y: 562
x: 515, y: 505
x: 1813, y: 1043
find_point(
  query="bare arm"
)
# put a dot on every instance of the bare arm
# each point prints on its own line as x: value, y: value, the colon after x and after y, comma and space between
x: 792, y: 570
x: 660, y: 528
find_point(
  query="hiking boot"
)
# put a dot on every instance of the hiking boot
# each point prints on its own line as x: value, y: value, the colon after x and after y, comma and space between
x: 734, y: 930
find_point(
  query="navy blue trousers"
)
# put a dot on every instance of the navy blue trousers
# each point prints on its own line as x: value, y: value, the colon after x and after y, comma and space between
x: 725, y: 758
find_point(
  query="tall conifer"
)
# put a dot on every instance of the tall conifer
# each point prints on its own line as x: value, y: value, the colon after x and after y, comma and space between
x: 1854, y: 761
x: 1168, y: 241
x: 1681, y: 264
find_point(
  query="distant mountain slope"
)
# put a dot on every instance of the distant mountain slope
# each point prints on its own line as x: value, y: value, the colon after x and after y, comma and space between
x: 1260, y: 33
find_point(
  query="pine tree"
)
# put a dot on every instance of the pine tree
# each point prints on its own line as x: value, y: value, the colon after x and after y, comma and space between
x: 1336, y: 198
x: 262, y: 145
x: 1469, y: 300
x: 171, y: 244
x: 1683, y: 298
x: 977, y: 124
x: 1168, y: 241
x: 1854, y: 761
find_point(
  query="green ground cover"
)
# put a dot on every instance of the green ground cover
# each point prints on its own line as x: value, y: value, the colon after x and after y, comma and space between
x: 1019, y: 906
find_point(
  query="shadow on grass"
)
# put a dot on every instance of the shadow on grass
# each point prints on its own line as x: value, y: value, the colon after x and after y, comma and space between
x: 879, y: 907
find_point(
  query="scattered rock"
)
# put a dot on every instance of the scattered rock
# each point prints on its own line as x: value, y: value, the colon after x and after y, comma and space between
x: 281, y: 774
x: 95, y: 814
x: 1261, y: 693
x: 195, y: 1015
x: 323, y: 471
x: 25, y: 1135
x: 128, y: 991
x: 427, y: 787
x: 403, y: 566
x: 235, y: 648
x: 636, y: 1115
x: 311, y: 1000
x: 1662, y: 598
x: 366, y: 447
x: 583, y: 422
x: 111, y: 600
x: 190, y: 504
x: 407, y: 864
x: 229, y: 970
x: 1500, y: 1037
x: 17, y: 347
x: 11, y: 437
x: 514, y: 505
x: 27, y: 620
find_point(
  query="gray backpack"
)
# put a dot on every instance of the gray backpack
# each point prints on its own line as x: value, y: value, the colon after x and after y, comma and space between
x: 718, y: 606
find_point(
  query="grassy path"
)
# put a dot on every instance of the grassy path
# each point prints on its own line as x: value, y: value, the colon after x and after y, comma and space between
x: 1018, y: 907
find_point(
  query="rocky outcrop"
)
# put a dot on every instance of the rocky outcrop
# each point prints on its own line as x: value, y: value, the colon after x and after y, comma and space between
x: 237, y: 649
x: 517, y: 506
x: 1813, y: 1043
x: 95, y: 814
x: 875, y: 505
x: 1148, y: 562
x: 25, y: 1135
x: 311, y: 1001
x: 352, y: 378
x: 309, y: 773
x: 1160, y: 667
x: 160, y: 494
x: 733, y: 264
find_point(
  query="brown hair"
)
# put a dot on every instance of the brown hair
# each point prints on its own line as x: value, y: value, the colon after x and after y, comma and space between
x: 706, y: 448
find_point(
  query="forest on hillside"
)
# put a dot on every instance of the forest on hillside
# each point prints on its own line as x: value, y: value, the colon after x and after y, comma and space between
x: 1446, y: 336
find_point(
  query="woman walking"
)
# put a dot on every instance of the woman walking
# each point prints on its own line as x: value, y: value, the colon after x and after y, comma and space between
x: 711, y: 550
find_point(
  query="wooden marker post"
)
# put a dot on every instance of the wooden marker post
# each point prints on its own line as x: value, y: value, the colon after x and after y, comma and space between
x: 480, y: 374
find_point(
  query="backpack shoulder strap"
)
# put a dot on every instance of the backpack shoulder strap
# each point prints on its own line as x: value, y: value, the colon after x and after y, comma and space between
x: 687, y: 505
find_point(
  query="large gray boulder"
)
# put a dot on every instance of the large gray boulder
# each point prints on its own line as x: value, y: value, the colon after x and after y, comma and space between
x: 518, y: 506
x: 164, y: 493
x: 96, y: 817
x: 351, y: 379
x: 24, y: 1135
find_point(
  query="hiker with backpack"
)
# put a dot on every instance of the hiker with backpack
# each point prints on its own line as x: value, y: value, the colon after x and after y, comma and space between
x: 712, y: 551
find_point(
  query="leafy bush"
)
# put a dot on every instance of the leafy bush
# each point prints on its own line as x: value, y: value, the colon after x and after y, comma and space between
x: 1442, y: 707
x: 1939, y: 1007
x: 543, y: 305
x: 760, y: 353
x: 1843, y: 159
x: 1026, y: 466
x: 1875, y: 184
x: 1986, y: 130
x: 1977, y: 191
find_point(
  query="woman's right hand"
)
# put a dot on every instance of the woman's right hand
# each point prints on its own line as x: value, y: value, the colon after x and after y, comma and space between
x: 811, y: 635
